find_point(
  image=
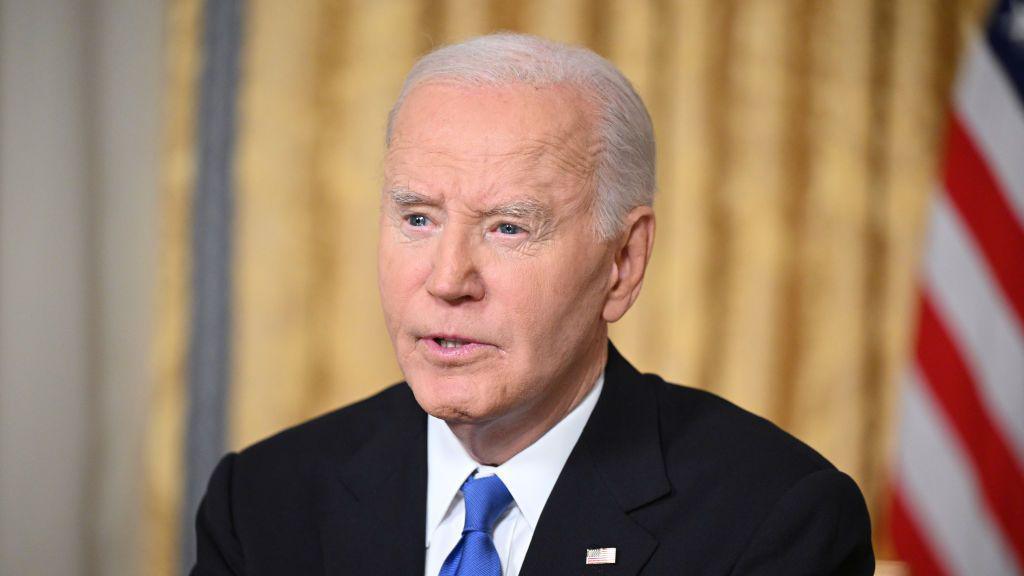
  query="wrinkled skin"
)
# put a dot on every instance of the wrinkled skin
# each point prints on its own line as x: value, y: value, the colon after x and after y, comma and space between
x: 487, y: 239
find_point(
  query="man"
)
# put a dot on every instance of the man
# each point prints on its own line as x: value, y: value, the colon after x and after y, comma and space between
x: 516, y: 223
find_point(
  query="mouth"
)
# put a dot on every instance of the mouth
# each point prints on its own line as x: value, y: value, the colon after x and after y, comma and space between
x: 453, y: 348
x: 444, y: 342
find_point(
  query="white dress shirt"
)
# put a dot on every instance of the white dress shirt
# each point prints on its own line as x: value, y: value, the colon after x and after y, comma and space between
x: 529, y: 476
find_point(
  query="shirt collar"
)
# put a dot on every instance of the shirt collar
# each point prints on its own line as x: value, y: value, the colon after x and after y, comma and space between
x: 529, y: 475
x: 448, y: 466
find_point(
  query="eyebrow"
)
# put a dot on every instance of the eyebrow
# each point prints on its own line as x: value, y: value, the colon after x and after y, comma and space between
x: 526, y: 208
x: 406, y: 197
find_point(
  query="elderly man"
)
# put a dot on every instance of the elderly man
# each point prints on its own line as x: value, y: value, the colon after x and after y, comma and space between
x: 515, y: 224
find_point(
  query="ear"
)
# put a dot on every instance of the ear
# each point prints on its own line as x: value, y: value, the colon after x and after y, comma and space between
x: 632, y: 252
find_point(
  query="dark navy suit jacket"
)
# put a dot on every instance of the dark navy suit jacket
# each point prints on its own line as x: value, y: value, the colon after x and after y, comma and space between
x: 678, y: 481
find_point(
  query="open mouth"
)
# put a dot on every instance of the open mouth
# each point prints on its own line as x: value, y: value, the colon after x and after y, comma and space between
x: 453, y: 349
x: 450, y: 343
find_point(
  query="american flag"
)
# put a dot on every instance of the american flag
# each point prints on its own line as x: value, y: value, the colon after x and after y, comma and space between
x: 958, y: 490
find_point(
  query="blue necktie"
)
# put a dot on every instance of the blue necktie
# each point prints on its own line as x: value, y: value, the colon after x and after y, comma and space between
x: 475, y: 554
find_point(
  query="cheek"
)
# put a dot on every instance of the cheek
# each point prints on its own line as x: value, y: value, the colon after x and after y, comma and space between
x: 553, y: 301
x: 400, y: 272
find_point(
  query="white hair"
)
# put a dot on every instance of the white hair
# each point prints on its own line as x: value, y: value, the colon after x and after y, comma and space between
x: 624, y: 172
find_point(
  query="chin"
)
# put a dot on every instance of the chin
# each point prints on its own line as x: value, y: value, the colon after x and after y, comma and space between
x: 453, y: 400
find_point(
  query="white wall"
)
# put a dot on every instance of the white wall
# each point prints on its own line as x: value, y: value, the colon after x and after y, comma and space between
x: 128, y: 81
x: 79, y: 129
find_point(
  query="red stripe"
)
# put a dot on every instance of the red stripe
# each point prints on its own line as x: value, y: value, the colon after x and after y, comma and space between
x: 952, y: 384
x: 911, y: 546
x: 984, y: 208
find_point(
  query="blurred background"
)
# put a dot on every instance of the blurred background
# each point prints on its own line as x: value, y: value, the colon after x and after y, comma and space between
x: 188, y: 196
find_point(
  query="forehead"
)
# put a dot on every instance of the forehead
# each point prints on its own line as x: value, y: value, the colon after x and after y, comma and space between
x: 478, y: 134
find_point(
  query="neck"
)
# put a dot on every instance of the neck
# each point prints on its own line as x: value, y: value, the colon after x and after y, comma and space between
x: 496, y: 442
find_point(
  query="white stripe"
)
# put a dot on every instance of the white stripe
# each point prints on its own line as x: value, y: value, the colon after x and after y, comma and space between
x: 995, y: 118
x: 979, y: 319
x: 942, y: 492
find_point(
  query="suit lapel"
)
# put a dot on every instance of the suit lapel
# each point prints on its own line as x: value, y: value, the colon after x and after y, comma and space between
x: 580, y: 515
x: 378, y: 504
x: 373, y: 522
x: 615, y: 468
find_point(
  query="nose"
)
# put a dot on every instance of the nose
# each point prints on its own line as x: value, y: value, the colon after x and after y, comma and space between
x: 454, y: 276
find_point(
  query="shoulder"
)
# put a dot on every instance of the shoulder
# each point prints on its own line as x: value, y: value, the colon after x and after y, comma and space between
x: 698, y: 422
x: 351, y: 423
x: 327, y: 442
x: 764, y: 493
x: 262, y: 503
x: 707, y: 445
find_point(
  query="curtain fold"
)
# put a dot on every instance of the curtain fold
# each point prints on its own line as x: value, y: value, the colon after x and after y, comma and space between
x: 797, y: 143
x: 164, y: 474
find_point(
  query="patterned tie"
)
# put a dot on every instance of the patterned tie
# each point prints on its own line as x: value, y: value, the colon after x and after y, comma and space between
x: 475, y: 555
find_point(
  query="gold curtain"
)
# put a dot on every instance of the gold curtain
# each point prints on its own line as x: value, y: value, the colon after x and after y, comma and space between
x: 797, y: 147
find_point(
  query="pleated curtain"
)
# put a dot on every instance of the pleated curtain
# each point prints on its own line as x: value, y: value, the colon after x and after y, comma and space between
x: 797, y: 147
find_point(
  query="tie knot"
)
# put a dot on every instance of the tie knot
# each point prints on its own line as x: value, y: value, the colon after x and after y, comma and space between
x: 486, y: 498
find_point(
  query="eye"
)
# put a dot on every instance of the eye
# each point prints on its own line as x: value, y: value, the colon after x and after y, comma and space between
x: 417, y: 220
x: 510, y: 229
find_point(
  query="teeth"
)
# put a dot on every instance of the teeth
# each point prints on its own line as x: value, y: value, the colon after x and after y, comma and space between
x: 449, y: 343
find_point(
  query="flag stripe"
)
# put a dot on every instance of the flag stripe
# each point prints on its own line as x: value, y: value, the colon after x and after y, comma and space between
x: 995, y: 120
x: 949, y: 380
x: 975, y: 312
x: 958, y: 501
x: 941, y: 493
x: 1010, y: 54
x: 988, y: 216
x: 909, y: 542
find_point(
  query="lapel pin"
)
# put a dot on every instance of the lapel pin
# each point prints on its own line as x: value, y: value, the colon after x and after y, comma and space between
x: 600, y: 556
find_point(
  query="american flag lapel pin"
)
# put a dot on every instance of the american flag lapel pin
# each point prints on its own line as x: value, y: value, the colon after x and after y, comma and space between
x: 600, y: 556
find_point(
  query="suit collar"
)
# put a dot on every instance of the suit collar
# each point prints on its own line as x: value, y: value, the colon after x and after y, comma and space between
x: 615, y: 468
x: 382, y: 501
x: 397, y: 437
x: 622, y: 436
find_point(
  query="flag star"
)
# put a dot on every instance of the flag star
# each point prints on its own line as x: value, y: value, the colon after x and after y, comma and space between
x: 1016, y: 22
